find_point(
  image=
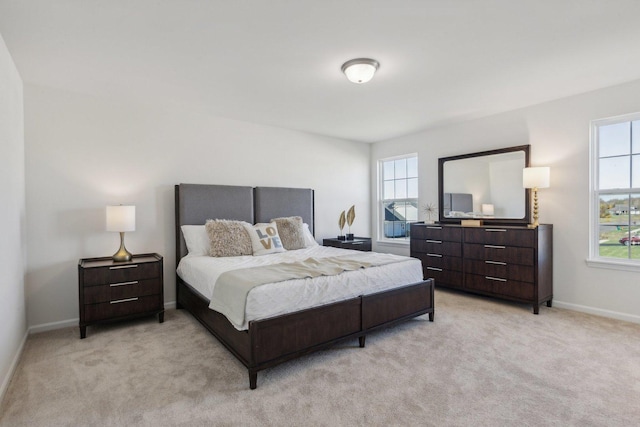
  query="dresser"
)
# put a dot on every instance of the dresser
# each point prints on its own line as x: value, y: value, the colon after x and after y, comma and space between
x: 111, y: 291
x: 357, y: 243
x: 510, y: 262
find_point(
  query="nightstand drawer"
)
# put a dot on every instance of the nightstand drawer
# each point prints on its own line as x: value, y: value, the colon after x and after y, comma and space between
x: 121, y: 290
x: 122, y: 307
x: 118, y: 274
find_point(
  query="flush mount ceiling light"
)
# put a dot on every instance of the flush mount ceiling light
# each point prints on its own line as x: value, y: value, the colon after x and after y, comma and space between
x: 360, y: 70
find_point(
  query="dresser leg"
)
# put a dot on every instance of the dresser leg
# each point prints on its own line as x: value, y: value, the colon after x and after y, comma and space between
x: 549, y: 303
x: 536, y: 308
x: 361, y: 340
x: 83, y: 332
x: 253, y: 380
x: 161, y: 317
x: 431, y: 315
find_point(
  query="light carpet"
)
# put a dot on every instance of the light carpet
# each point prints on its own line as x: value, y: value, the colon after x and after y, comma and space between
x: 481, y: 363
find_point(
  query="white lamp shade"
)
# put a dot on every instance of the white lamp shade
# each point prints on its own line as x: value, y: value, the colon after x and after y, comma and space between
x: 487, y: 209
x: 537, y: 177
x: 360, y: 70
x: 121, y: 218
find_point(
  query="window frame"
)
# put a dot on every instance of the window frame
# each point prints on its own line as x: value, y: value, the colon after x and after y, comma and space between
x: 595, y: 259
x: 381, y: 201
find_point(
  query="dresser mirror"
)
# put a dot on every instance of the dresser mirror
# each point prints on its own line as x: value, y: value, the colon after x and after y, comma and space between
x: 486, y: 185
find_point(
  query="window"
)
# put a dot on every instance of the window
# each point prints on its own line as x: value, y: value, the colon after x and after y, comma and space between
x: 615, y: 190
x: 399, y: 197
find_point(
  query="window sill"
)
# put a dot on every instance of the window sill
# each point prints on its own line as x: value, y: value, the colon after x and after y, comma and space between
x: 394, y: 242
x: 614, y: 264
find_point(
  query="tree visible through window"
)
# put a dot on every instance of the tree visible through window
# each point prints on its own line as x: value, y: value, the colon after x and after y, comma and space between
x: 399, y: 192
x: 616, y: 188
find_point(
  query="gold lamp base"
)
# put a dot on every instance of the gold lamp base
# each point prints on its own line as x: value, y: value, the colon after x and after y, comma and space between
x: 535, y: 209
x: 123, y: 254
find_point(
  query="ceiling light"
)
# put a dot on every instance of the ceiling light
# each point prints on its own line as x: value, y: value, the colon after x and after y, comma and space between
x: 360, y: 70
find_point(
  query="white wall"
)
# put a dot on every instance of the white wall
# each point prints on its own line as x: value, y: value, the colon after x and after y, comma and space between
x: 13, y: 319
x: 83, y: 153
x: 559, y: 136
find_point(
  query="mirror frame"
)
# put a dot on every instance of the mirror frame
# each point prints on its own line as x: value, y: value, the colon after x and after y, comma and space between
x: 487, y: 221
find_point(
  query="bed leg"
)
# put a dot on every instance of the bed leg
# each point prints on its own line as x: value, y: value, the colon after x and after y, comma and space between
x: 361, y: 340
x: 253, y: 380
x: 431, y: 315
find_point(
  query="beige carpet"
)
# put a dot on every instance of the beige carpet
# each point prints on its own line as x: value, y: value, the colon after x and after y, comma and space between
x: 482, y: 362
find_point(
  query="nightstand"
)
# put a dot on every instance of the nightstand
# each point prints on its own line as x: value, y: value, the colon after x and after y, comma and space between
x: 112, y: 291
x: 358, y: 243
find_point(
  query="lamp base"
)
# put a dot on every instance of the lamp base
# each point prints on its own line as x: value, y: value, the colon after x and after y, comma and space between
x: 123, y: 254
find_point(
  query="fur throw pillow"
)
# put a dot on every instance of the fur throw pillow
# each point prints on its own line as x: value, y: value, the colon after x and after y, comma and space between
x: 291, y: 232
x: 228, y: 238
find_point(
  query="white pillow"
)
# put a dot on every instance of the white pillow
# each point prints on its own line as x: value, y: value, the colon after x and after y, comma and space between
x: 309, y: 240
x: 196, y: 238
x: 264, y: 238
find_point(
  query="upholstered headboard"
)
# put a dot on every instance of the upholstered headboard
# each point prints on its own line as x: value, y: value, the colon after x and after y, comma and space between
x: 196, y: 203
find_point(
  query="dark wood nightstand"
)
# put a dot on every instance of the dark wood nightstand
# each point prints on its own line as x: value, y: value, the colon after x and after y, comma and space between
x: 111, y: 291
x: 358, y: 243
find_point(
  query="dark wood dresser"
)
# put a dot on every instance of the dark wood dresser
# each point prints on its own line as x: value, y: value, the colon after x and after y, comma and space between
x: 111, y: 291
x: 511, y: 262
x: 357, y: 243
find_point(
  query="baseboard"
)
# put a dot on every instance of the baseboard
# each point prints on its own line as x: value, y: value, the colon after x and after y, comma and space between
x: 597, y: 311
x: 12, y: 369
x: 74, y: 322
x: 53, y: 325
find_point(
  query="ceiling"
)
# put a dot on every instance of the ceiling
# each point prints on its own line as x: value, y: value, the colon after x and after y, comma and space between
x: 278, y: 62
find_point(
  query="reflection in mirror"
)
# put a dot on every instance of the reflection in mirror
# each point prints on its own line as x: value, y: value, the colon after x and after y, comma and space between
x: 485, y: 185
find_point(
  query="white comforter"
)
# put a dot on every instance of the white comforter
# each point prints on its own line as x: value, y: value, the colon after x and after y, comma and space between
x: 201, y: 272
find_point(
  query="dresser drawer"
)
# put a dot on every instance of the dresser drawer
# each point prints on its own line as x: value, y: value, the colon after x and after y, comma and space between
x: 501, y: 270
x: 500, y: 236
x: 439, y: 261
x: 436, y: 232
x: 437, y: 247
x: 122, y: 307
x: 447, y: 278
x: 501, y: 253
x: 505, y: 288
x: 121, y: 290
x: 118, y: 274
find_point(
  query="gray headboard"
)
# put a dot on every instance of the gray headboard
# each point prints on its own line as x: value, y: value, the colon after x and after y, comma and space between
x: 196, y: 203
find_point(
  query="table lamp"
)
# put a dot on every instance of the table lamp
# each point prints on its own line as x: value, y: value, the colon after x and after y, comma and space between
x: 535, y: 178
x: 121, y: 218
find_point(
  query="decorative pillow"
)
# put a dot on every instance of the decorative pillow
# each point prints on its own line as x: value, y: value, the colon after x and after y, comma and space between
x: 228, y: 238
x: 291, y: 232
x: 196, y: 238
x: 264, y: 238
x: 309, y: 240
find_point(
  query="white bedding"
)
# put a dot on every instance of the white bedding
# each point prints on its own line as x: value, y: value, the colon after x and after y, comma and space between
x: 201, y: 272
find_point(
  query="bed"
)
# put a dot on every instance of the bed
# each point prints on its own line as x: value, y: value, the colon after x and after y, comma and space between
x: 267, y: 342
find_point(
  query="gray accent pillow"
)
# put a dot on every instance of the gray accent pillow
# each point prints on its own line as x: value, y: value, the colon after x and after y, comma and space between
x: 228, y: 238
x: 291, y: 232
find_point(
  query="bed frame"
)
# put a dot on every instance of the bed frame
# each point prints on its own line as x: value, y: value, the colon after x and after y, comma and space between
x: 272, y: 341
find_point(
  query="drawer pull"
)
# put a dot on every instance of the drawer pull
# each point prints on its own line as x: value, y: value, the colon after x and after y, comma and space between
x: 431, y: 227
x: 497, y: 279
x: 435, y: 255
x: 123, y: 283
x: 495, y: 262
x: 499, y: 230
x: 434, y: 268
x: 494, y: 247
x: 118, y: 301
x: 434, y: 241
x: 119, y: 267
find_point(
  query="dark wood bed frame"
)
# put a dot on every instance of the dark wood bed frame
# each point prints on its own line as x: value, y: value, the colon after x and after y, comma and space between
x: 272, y: 341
